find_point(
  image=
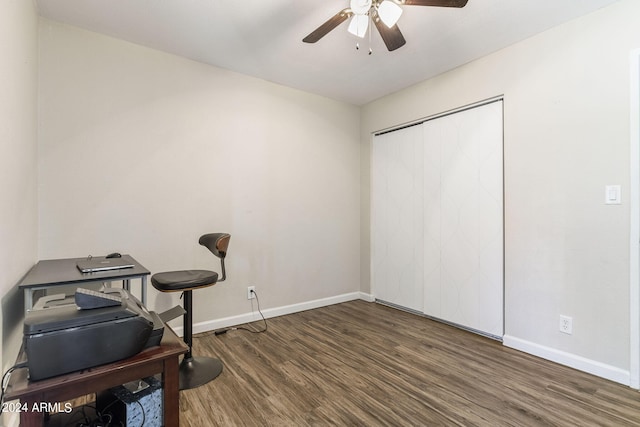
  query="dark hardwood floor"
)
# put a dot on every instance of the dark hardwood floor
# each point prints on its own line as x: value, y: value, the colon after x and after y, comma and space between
x: 364, y: 364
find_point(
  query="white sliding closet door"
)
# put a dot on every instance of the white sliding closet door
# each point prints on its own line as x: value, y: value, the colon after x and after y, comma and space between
x: 463, y: 280
x: 437, y: 218
x: 397, y: 221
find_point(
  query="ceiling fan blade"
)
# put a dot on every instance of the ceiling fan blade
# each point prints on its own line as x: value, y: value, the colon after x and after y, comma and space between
x: 331, y: 23
x: 392, y: 37
x: 441, y: 3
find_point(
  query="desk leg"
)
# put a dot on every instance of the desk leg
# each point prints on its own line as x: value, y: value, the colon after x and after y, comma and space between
x: 171, y: 384
x: 143, y: 285
x: 28, y: 300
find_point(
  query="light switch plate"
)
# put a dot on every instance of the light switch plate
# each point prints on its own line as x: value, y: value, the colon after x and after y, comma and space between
x: 612, y: 195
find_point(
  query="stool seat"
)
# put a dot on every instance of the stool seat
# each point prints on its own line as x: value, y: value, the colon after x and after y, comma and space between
x: 183, y: 280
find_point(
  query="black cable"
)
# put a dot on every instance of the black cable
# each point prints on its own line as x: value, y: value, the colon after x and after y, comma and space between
x: 103, y: 410
x: 6, y: 376
x: 144, y: 417
x: 78, y: 411
x: 102, y: 414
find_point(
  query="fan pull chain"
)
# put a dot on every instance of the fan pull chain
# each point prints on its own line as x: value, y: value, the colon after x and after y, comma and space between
x: 370, y: 31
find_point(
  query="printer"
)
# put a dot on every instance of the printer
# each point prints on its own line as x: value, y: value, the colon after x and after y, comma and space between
x: 65, y: 334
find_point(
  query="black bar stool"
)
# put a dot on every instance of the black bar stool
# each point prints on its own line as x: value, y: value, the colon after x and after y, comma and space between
x: 195, y: 371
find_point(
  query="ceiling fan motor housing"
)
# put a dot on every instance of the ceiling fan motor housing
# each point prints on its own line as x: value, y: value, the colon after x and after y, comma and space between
x: 360, y: 7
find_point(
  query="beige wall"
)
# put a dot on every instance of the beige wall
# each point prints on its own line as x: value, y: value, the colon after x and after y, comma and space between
x: 141, y: 152
x: 566, y: 136
x: 177, y: 148
x: 18, y: 173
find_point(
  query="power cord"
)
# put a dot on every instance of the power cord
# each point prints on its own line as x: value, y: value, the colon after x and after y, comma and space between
x: 103, y: 418
x: 242, y: 328
x: 86, y: 421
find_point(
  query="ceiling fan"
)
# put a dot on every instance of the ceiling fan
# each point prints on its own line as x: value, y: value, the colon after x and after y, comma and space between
x: 383, y: 13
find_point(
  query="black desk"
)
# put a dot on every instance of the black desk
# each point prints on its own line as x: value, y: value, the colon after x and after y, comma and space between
x: 58, y: 272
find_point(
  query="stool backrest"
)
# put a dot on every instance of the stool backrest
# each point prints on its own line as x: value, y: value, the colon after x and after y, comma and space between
x: 217, y: 243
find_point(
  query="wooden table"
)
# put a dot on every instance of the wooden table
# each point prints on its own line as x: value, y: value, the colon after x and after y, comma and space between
x: 161, y: 359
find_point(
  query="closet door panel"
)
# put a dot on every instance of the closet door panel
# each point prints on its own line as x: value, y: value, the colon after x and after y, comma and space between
x: 437, y: 218
x: 397, y: 218
x: 471, y: 242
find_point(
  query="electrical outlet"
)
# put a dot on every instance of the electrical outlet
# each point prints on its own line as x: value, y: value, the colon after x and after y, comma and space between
x: 250, y: 292
x: 566, y: 325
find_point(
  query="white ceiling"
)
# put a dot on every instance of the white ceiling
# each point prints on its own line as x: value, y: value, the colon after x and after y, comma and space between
x: 263, y: 38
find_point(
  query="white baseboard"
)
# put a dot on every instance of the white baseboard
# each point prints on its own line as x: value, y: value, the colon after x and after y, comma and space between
x: 568, y: 359
x: 226, y: 322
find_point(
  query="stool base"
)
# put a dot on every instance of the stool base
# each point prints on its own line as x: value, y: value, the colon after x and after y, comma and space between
x: 197, y: 371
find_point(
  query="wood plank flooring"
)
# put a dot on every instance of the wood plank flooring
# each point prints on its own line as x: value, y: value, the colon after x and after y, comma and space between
x: 364, y: 364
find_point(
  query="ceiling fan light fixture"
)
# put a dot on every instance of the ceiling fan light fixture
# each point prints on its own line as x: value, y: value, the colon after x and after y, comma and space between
x: 389, y: 13
x: 358, y: 25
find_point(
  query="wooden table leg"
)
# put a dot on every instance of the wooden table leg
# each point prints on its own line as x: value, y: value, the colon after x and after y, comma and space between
x: 171, y: 391
x: 31, y: 418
